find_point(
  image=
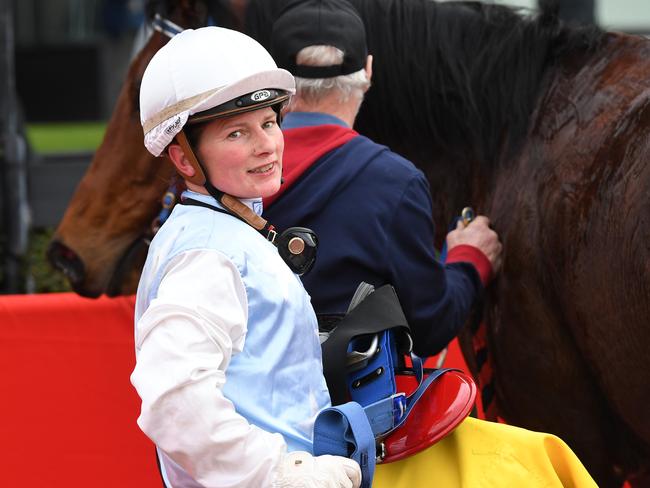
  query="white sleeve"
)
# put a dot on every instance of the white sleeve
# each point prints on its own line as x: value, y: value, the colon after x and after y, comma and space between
x: 184, y: 342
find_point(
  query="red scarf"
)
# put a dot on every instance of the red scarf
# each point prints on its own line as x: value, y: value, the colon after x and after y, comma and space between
x: 303, y: 147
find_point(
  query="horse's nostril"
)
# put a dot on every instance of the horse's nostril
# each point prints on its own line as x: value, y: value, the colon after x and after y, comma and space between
x: 66, y: 260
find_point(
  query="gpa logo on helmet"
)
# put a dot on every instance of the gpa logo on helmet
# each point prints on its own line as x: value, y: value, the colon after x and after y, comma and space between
x: 260, y: 95
x: 172, y: 128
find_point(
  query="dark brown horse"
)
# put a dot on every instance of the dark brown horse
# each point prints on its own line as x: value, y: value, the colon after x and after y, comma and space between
x: 544, y: 128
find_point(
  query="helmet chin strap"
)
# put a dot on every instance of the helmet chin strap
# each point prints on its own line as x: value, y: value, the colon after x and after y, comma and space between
x: 228, y: 201
x: 296, y: 245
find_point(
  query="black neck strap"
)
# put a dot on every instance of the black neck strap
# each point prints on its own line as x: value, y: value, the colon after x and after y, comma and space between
x: 268, y: 231
x: 296, y: 245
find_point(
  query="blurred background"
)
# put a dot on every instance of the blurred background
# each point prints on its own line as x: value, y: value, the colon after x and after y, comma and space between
x: 62, y: 67
x: 62, y: 64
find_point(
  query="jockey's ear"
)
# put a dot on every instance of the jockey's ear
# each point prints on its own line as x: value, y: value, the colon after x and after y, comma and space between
x: 180, y: 160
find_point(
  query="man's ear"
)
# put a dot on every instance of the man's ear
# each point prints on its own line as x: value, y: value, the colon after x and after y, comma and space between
x: 183, y: 166
x: 368, y: 67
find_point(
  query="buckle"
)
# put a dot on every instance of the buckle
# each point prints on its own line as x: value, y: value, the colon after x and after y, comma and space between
x: 380, y: 453
x: 399, y: 407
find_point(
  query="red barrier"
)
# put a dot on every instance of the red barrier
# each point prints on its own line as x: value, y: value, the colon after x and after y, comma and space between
x: 68, y: 409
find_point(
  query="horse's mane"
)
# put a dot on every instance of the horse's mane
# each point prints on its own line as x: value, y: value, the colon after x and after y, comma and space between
x: 456, y: 77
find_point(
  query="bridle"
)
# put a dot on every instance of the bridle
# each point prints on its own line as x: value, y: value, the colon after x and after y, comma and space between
x: 165, y: 26
x: 168, y: 29
x: 167, y: 203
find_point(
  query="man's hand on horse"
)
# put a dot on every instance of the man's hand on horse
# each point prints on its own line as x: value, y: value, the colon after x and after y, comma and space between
x: 478, y: 234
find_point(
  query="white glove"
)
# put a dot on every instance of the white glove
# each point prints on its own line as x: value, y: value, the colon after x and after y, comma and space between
x: 300, y: 469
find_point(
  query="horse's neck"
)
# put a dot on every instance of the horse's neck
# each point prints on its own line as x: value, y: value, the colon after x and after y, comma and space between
x: 568, y: 86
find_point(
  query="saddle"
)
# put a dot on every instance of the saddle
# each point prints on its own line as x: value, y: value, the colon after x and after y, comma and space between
x: 409, y: 407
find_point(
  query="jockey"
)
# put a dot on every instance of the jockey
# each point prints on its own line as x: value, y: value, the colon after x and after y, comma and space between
x: 228, y: 360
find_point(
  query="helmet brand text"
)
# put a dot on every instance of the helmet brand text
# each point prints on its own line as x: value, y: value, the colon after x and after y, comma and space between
x: 172, y: 128
x: 260, y: 95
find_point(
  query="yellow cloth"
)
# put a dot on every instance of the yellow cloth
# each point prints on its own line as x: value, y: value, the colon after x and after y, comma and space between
x: 481, y: 454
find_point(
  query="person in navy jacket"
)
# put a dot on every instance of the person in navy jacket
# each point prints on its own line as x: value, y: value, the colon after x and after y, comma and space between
x: 370, y: 207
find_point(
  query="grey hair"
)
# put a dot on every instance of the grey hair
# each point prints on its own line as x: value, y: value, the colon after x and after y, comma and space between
x: 314, y: 89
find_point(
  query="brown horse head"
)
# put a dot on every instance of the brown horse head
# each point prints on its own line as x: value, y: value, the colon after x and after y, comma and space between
x: 100, y: 244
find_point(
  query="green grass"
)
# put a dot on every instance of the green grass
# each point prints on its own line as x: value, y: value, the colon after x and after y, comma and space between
x: 44, y: 278
x: 36, y: 270
x: 65, y: 136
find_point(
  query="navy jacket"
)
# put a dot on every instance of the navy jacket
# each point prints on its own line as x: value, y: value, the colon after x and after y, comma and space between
x: 372, y: 212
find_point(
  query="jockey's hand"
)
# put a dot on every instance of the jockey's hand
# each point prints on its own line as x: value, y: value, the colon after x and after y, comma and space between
x: 478, y: 234
x: 300, y: 469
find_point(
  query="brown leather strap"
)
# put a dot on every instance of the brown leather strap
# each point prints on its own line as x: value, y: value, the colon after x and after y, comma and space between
x: 199, y: 175
x: 238, y: 208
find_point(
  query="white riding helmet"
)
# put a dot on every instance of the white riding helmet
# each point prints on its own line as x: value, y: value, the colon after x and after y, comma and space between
x: 207, y: 70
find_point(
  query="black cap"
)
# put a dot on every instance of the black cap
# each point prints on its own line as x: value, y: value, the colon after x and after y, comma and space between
x: 319, y: 22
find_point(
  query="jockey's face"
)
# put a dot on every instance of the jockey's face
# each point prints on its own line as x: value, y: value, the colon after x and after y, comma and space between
x: 243, y: 153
